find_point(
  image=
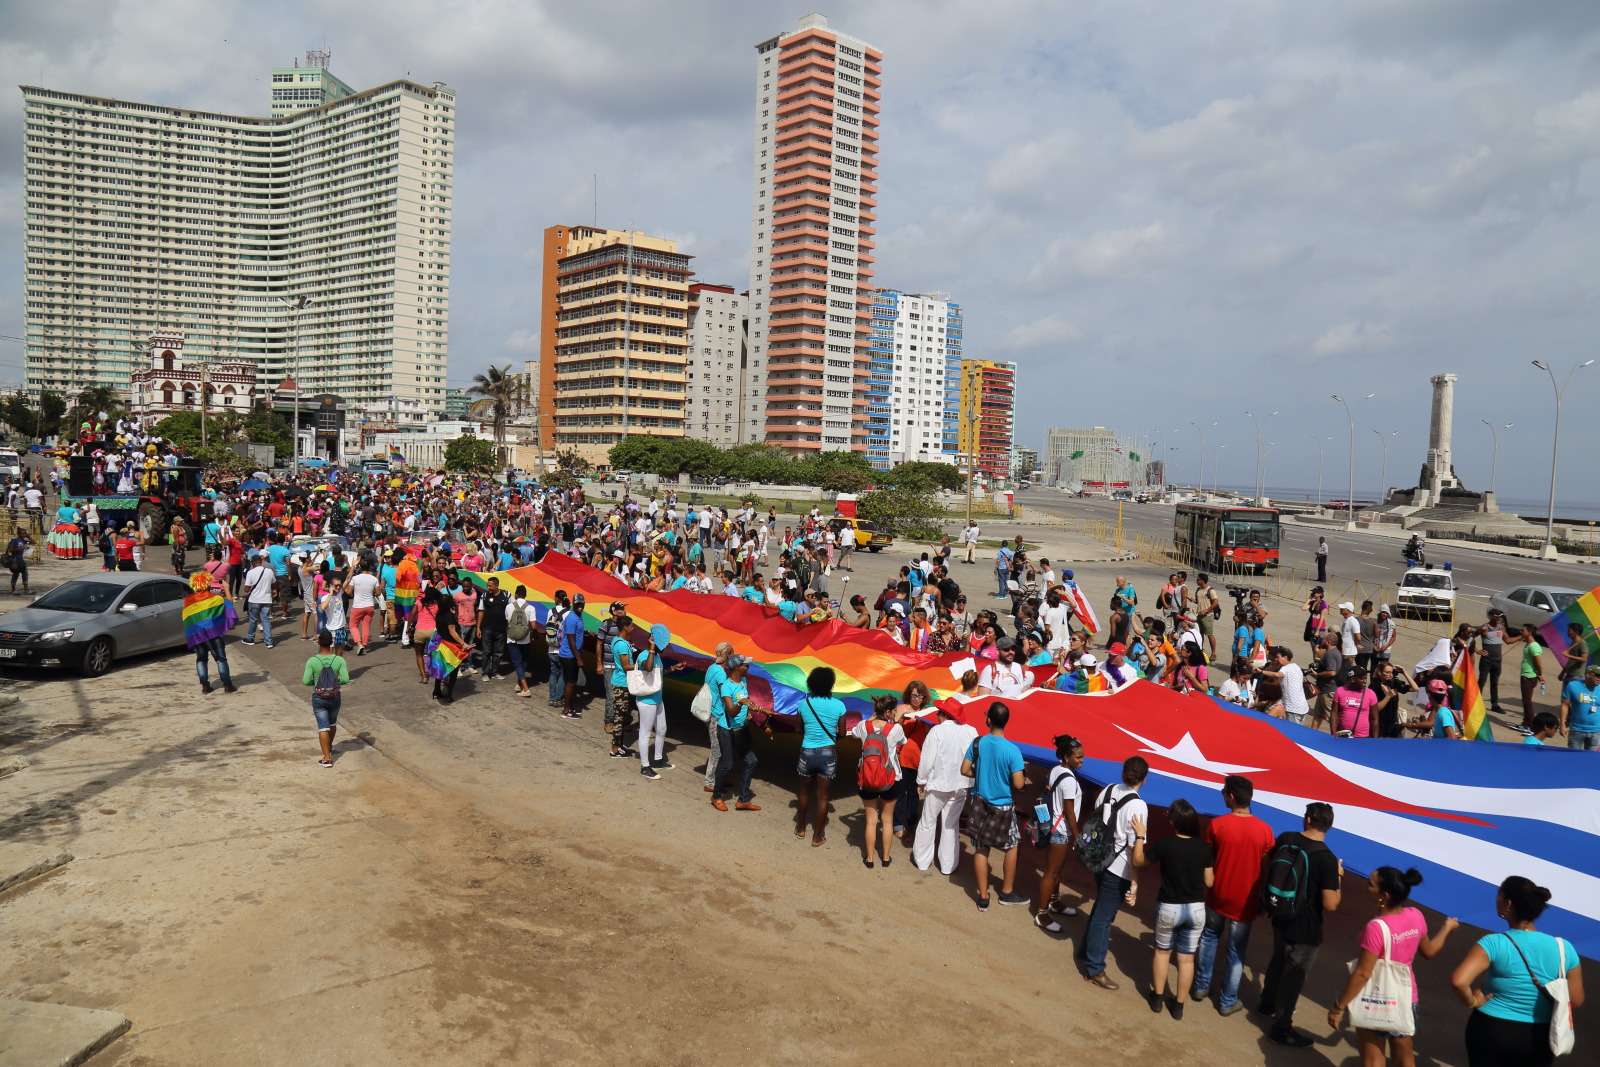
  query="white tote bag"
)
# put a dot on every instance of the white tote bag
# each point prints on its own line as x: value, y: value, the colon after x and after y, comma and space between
x: 644, y: 683
x: 701, y: 707
x: 1561, y: 1036
x: 1384, y: 1003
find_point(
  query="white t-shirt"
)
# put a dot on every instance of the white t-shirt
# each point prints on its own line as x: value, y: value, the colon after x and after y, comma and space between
x: 332, y: 612
x: 1294, y: 690
x: 364, y: 589
x: 1122, y: 839
x: 1057, y: 618
x: 1065, y: 800
x: 970, y: 534
x: 33, y: 497
x: 897, y: 737
x: 533, y: 621
x: 259, y: 581
x: 1349, y: 634
x: 1004, y: 679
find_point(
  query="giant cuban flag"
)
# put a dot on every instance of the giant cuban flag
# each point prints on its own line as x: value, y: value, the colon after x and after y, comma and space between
x: 1465, y: 815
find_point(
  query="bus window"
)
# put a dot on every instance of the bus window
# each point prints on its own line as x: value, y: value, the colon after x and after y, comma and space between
x: 1249, y: 535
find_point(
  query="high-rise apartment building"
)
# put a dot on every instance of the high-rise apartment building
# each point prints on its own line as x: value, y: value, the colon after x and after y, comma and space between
x: 300, y: 88
x: 914, y: 378
x: 813, y: 209
x: 719, y: 351
x: 988, y: 415
x: 614, y: 338
x: 142, y: 218
x: 1080, y: 455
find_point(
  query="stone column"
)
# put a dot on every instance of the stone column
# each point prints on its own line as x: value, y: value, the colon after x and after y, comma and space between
x: 1439, y: 465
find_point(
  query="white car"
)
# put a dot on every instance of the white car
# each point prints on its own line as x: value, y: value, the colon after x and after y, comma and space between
x: 1537, y: 604
x: 1426, y: 591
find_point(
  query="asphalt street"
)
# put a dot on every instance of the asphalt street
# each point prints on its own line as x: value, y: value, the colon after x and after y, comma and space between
x: 1365, y: 557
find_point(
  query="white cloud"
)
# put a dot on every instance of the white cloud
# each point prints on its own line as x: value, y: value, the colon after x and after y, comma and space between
x: 523, y: 343
x: 1351, y: 337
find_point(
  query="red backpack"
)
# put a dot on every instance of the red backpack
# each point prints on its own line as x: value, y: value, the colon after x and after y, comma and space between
x: 875, y: 771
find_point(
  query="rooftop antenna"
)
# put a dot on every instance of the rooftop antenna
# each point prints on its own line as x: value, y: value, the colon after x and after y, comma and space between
x: 597, y: 200
x: 318, y: 57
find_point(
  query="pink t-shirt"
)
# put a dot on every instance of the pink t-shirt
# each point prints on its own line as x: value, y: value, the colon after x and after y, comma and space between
x: 1406, y: 933
x: 1355, y: 710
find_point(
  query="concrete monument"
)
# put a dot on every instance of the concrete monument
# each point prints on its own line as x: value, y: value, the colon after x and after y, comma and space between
x: 1438, y: 474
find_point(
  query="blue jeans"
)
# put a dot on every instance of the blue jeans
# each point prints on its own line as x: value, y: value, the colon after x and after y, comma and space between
x: 519, y: 659
x: 1109, y: 891
x: 214, y: 649
x: 908, y: 806
x: 1002, y: 577
x: 263, y: 614
x: 1238, y: 935
x: 1591, y: 742
x: 558, y: 681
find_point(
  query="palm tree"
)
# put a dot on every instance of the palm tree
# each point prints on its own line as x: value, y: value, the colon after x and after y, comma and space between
x: 500, y: 392
x: 90, y: 402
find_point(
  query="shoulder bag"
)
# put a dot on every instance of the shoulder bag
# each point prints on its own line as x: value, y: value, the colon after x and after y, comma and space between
x: 1384, y: 1003
x: 1561, y: 1036
x: 643, y: 683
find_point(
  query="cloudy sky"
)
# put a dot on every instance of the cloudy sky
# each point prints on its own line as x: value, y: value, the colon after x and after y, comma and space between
x: 1165, y: 213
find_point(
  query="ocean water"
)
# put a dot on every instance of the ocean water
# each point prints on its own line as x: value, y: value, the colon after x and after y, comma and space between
x: 1528, y: 507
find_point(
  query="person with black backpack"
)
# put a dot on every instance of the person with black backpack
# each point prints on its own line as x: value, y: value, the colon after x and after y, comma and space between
x: 329, y: 674
x: 1301, y: 882
x: 1105, y: 848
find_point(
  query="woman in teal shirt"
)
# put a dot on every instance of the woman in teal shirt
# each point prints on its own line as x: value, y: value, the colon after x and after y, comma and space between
x: 1510, y: 1023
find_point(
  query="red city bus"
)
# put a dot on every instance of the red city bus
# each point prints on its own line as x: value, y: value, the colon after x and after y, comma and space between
x: 1222, y: 538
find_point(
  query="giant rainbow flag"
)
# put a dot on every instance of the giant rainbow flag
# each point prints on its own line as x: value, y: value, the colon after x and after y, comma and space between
x: 1466, y: 816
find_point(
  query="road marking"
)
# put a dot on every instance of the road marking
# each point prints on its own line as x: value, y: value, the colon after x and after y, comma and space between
x: 1363, y: 552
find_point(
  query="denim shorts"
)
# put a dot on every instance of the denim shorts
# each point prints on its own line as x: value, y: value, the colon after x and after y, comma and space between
x: 1061, y: 836
x: 1178, y: 926
x: 818, y: 763
x: 326, y: 711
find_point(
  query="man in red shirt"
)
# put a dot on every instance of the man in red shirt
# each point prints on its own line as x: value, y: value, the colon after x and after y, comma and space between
x: 1240, y: 843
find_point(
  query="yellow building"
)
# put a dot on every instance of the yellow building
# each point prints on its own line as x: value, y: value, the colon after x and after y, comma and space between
x: 613, y: 338
x: 988, y: 414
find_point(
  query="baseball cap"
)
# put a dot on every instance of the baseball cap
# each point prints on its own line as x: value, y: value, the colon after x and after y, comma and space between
x: 1006, y: 642
x: 898, y: 609
x: 617, y: 605
x: 1345, y: 605
x: 1593, y: 668
x: 1118, y: 649
x: 1438, y: 685
x: 1067, y: 574
x: 579, y: 599
x: 1087, y: 660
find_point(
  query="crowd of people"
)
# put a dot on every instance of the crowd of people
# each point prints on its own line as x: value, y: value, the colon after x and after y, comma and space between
x: 381, y: 561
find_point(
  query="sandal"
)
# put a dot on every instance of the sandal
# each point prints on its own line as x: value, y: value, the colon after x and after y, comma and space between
x: 818, y: 842
x: 800, y: 833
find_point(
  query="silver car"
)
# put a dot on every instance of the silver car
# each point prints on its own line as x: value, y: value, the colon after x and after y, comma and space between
x: 1537, y: 604
x: 86, y: 623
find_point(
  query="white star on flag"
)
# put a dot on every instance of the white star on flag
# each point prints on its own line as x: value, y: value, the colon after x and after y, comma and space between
x: 1188, y: 753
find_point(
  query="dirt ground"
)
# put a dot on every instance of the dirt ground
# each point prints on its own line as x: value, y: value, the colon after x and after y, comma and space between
x: 478, y: 883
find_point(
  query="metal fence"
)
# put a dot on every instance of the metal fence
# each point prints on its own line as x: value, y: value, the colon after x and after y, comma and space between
x: 30, y: 524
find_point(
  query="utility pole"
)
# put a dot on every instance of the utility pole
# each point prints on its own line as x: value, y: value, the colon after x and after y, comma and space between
x: 205, y: 382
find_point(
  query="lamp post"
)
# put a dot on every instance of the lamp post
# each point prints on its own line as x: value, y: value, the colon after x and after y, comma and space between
x: 1321, y: 443
x: 1216, y: 466
x: 1201, y: 488
x: 1258, y: 422
x: 1383, y: 477
x: 1350, y: 501
x: 297, y: 305
x: 1172, y: 451
x: 1555, y: 451
x: 1494, y: 461
x: 1270, y: 444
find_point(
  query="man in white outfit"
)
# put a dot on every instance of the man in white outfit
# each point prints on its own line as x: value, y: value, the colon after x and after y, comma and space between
x: 943, y: 789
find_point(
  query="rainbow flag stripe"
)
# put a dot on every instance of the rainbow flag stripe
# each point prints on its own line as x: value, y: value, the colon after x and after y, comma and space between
x: 868, y: 663
x: 1585, y: 612
x: 444, y: 657
x: 407, y: 587
x: 1475, y: 725
x: 206, y: 615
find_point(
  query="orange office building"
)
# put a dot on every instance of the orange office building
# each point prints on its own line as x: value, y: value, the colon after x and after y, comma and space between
x: 812, y: 227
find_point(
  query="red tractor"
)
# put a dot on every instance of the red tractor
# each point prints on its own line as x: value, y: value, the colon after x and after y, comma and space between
x: 178, y: 501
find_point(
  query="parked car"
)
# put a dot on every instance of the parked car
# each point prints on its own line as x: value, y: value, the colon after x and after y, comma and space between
x: 87, y: 622
x: 1426, y: 591
x: 1537, y: 604
x: 867, y: 535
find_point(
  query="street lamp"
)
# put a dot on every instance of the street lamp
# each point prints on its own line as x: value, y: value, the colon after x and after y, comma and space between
x: 1383, y: 477
x: 1555, y: 450
x: 1270, y: 444
x: 297, y: 305
x: 1494, y: 462
x: 1201, y: 488
x: 1321, y: 443
x: 1258, y: 422
x: 1350, y: 501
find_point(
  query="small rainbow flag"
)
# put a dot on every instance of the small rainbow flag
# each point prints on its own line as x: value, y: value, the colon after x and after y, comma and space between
x: 407, y: 587
x: 444, y: 657
x: 1585, y: 612
x: 1081, y: 608
x: 206, y: 615
x: 1474, y: 716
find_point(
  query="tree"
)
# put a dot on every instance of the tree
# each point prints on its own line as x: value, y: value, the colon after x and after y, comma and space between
x: 920, y: 475
x: 182, y: 428
x: 846, y: 480
x: 635, y: 452
x: 468, y: 453
x: 20, y: 413
x: 501, y: 393
x: 92, y: 401
x: 902, y: 512
x: 270, y: 428
x: 756, y: 463
x: 569, y: 462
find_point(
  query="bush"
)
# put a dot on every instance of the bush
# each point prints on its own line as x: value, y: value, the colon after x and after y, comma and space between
x: 902, y: 512
x: 926, y: 476
x: 468, y: 453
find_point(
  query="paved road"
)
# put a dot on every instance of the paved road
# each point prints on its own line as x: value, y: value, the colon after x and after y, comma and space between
x: 1366, y: 557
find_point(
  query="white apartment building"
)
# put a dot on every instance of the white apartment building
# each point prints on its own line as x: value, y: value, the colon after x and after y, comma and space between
x: 143, y: 218
x: 719, y: 343
x: 813, y: 215
x: 918, y: 421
